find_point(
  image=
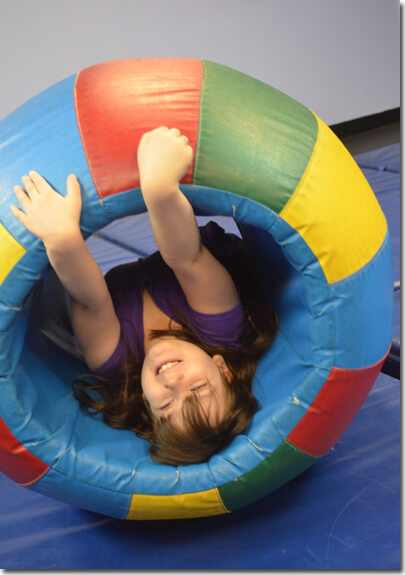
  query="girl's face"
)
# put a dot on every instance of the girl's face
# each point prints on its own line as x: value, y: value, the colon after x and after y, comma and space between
x: 173, y: 369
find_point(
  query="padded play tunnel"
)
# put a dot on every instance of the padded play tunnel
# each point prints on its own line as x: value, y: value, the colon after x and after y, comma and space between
x: 312, y: 224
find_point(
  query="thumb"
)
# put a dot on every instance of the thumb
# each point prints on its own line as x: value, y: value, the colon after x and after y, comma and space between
x: 73, y: 194
x: 72, y: 186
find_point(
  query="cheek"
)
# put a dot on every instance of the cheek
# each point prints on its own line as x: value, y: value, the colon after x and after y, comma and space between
x: 150, y: 395
x: 205, y: 366
x: 151, y: 392
x: 214, y: 374
x: 146, y: 383
x: 143, y: 378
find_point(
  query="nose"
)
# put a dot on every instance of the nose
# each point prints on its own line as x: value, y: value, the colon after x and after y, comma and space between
x: 173, y: 380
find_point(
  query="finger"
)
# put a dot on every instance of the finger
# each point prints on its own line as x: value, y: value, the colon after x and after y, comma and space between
x: 40, y: 182
x: 19, y: 214
x: 143, y: 139
x: 175, y: 131
x: 184, y: 139
x: 72, y: 186
x: 22, y: 197
x: 162, y: 129
x: 30, y: 187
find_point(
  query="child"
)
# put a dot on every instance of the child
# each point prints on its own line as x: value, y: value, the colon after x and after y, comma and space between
x: 172, y: 340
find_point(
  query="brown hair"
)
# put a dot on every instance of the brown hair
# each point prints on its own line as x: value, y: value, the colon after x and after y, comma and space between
x: 121, y: 399
x: 123, y: 406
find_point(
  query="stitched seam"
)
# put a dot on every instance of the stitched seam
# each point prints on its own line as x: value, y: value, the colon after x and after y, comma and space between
x: 299, y: 450
x: 313, y: 159
x: 79, y: 126
x: 33, y: 481
x: 370, y: 261
x: 221, y: 501
x: 198, y: 142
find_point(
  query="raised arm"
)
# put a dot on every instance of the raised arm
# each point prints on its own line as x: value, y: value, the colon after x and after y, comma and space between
x: 55, y: 220
x: 164, y: 157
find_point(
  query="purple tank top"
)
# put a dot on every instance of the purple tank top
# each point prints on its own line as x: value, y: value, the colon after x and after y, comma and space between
x: 126, y: 284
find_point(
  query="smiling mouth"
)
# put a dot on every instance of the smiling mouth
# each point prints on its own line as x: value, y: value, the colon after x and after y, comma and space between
x: 167, y: 365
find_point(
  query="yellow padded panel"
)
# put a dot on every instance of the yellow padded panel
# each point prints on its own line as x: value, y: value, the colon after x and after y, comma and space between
x: 203, y: 504
x: 10, y: 252
x: 335, y: 210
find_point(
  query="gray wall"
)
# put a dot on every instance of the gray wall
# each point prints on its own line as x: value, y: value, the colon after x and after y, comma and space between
x: 338, y: 57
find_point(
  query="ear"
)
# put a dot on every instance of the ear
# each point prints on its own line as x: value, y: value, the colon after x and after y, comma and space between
x: 222, y: 366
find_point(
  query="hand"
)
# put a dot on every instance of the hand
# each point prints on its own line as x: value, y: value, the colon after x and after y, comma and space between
x: 47, y: 214
x: 164, y: 157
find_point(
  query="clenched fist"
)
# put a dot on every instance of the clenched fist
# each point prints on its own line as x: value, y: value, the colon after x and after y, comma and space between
x: 164, y: 157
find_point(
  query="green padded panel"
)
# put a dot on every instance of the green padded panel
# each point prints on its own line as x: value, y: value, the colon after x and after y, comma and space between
x: 281, y: 466
x: 253, y: 140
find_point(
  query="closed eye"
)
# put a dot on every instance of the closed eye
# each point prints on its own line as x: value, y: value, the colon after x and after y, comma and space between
x: 194, y: 389
x: 165, y: 406
x: 198, y: 387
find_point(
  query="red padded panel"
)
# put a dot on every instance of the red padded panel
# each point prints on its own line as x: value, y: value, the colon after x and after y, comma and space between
x: 16, y: 461
x: 116, y: 102
x: 333, y: 409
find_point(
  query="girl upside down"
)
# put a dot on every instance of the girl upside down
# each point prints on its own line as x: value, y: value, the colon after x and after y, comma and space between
x: 171, y: 341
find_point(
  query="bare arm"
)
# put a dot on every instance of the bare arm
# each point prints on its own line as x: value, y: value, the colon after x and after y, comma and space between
x: 163, y: 158
x: 55, y: 220
x: 78, y: 271
x: 95, y: 324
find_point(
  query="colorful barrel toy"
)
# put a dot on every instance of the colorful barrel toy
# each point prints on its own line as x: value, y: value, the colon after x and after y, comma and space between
x: 311, y: 221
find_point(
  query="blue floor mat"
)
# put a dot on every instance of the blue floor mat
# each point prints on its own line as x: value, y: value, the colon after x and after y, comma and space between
x: 343, y: 513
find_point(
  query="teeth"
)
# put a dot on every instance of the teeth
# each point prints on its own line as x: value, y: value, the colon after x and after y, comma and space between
x: 166, y: 366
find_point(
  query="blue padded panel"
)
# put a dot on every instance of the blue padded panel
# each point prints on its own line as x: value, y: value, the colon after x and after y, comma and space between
x: 21, y: 279
x: 364, y: 312
x: 11, y: 343
x: 43, y: 413
x: 83, y: 494
x: 47, y: 155
x: 382, y: 168
x: 55, y: 109
x: 386, y: 186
